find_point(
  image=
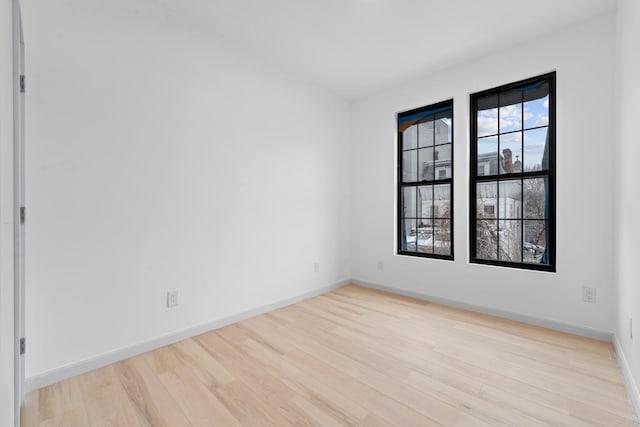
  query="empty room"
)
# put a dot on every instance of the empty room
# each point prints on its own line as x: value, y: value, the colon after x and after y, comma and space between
x: 319, y: 213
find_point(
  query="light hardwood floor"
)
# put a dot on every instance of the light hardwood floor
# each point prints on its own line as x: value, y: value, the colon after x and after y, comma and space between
x: 357, y: 357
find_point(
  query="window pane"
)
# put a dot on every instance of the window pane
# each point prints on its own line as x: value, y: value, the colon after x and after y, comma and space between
x: 425, y: 238
x: 409, y: 227
x: 410, y: 166
x: 535, y: 242
x: 535, y: 198
x: 425, y: 201
x: 425, y: 133
x: 487, y: 117
x: 510, y: 203
x: 410, y: 137
x: 510, y: 111
x: 511, y: 150
x: 535, y: 142
x: 486, y: 239
x: 442, y: 135
x: 510, y: 236
x: 442, y: 201
x: 427, y: 166
x: 486, y: 199
x: 409, y: 202
x: 536, y: 106
x: 442, y: 155
x: 488, y: 156
x: 444, y: 131
x: 442, y: 237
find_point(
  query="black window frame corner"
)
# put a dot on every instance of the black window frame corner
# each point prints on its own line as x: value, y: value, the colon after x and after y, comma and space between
x: 550, y: 174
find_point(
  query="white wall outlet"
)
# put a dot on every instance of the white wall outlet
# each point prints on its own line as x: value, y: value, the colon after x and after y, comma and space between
x: 630, y: 327
x: 589, y: 294
x: 380, y: 265
x: 316, y: 267
x: 172, y: 299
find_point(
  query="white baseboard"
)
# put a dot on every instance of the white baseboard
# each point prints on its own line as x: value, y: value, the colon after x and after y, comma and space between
x: 59, y: 374
x: 538, y: 321
x: 632, y: 388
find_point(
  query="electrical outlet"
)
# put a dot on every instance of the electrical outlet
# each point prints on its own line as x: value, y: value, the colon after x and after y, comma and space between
x: 316, y: 267
x: 172, y: 299
x: 380, y: 265
x: 630, y: 327
x: 589, y: 295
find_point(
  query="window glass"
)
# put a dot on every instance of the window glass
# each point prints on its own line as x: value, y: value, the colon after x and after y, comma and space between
x: 425, y: 179
x: 512, y: 222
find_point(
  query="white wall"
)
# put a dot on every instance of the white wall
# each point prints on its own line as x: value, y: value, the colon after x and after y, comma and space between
x: 628, y: 79
x: 7, y: 397
x: 162, y: 157
x: 584, y: 59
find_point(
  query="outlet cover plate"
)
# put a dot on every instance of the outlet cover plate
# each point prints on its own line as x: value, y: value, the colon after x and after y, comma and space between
x: 589, y: 295
x: 172, y: 299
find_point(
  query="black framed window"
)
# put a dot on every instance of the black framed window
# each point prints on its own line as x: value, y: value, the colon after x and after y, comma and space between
x: 425, y: 181
x: 513, y: 170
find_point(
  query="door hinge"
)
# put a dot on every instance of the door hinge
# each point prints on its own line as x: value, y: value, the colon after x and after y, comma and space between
x: 23, y: 87
x: 23, y: 214
x: 23, y: 346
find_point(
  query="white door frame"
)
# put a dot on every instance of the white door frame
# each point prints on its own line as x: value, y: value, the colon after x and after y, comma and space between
x: 19, y: 203
x: 8, y: 416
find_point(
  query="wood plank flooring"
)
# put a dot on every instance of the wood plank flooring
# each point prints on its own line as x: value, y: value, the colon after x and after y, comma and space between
x: 354, y: 357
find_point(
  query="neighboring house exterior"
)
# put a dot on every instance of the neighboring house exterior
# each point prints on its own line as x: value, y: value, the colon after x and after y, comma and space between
x: 490, y: 164
x: 513, y: 230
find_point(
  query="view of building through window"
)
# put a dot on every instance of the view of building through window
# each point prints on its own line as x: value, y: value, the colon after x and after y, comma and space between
x: 513, y: 174
x: 512, y: 191
x: 425, y: 140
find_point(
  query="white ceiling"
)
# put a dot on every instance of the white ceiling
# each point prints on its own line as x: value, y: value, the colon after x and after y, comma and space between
x: 356, y: 47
